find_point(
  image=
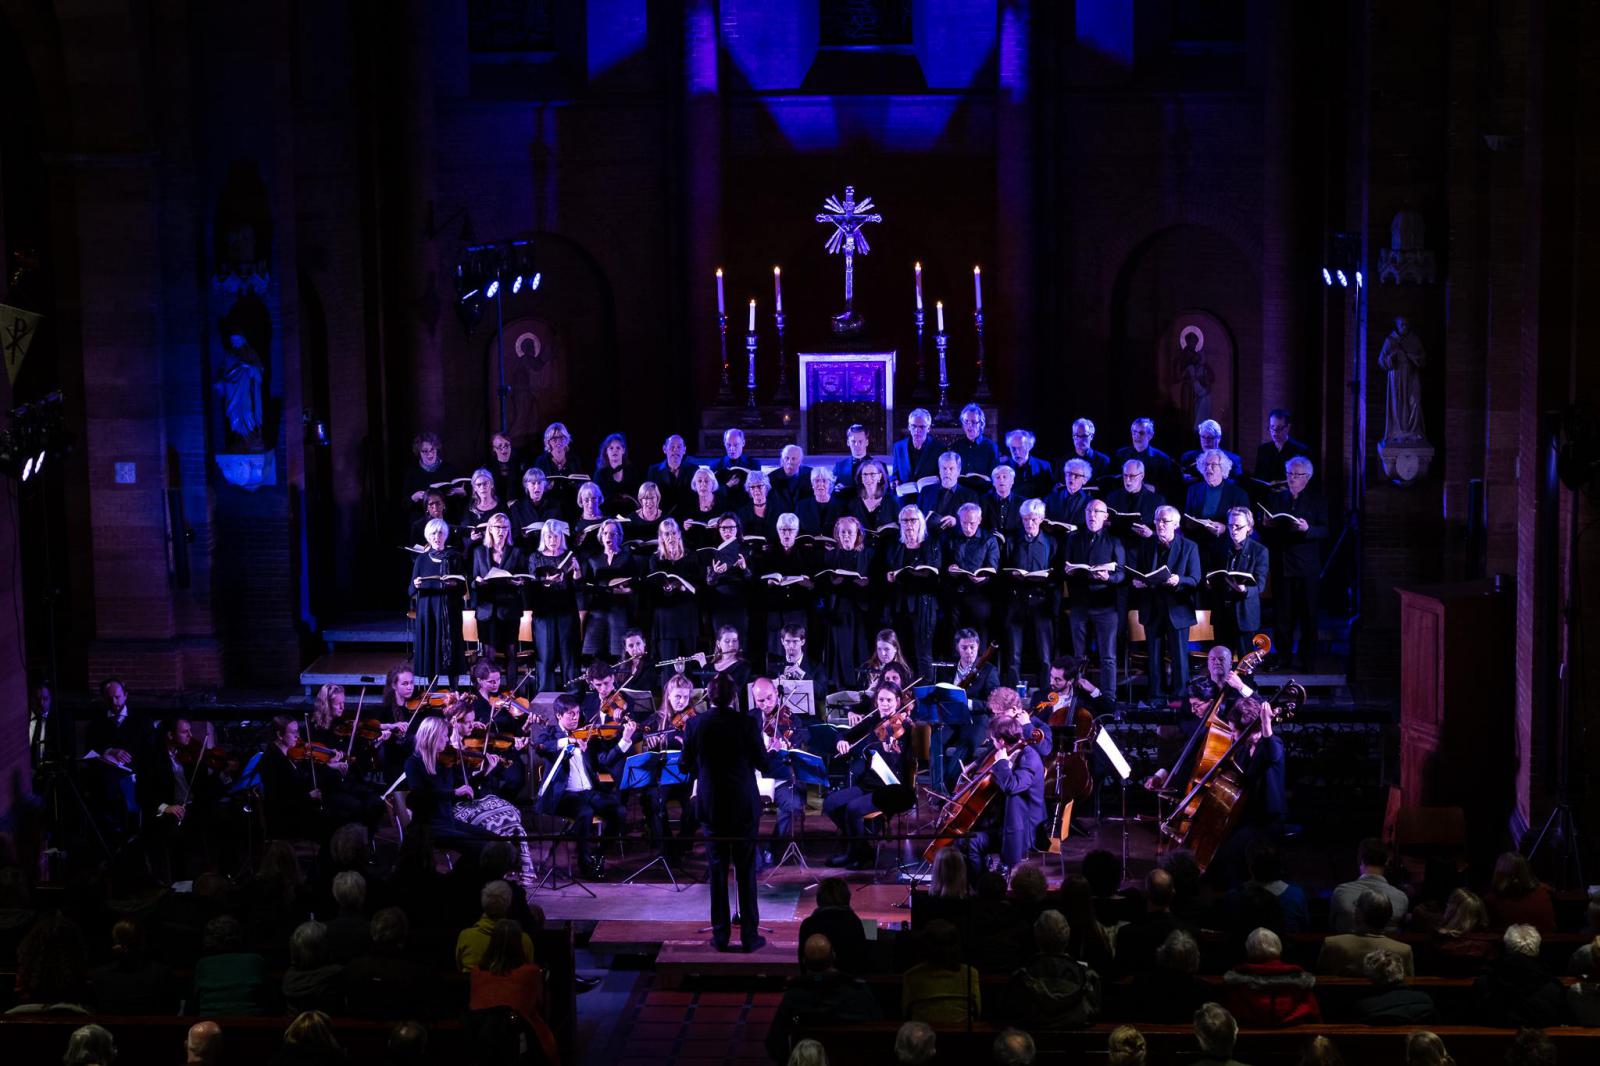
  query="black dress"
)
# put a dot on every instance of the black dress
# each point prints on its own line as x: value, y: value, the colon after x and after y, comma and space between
x: 674, y: 611
x: 436, y: 630
x: 847, y: 607
x: 608, y: 610
x: 497, y: 601
x: 555, y: 619
x: 727, y: 594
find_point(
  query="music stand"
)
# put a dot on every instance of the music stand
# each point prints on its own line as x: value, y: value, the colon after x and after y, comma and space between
x: 797, y: 697
x: 652, y: 769
x: 1119, y: 762
x: 548, y: 878
x: 938, y: 706
x: 807, y: 769
x: 638, y: 704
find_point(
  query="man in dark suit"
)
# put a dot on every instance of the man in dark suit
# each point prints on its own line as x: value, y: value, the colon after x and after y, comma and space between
x: 1296, y: 562
x: 1092, y: 596
x: 939, y: 503
x: 1210, y: 434
x: 672, y: 474
x: 791, y: 482
x: 844, y: 470
x: 1272, y: 458
x: 1167, y: 608
x: 1083, y: 448
x: 979, y: 454
x: 1034, y: 477
x: 723, y: 749
x: 915, y: 456
x: 1236, y: 607
x: 1007, y: 826
x: 1209, y: 500
x: 1159, y: 469
x: 1066, y: 503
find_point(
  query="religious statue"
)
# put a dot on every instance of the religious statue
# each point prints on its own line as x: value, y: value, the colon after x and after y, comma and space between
x: 239, y: 385
x: 1195, y: 378
x: 847, y: 217
x: 1403, y: 358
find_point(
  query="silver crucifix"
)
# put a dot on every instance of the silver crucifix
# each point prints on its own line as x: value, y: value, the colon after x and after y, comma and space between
x: 847, y: 217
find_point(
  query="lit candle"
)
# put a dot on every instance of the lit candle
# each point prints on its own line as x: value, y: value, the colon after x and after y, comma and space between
x: 917, y: 267
x: 722, y: 304
x: 777, y: 287
x: 939, y: 310
x: 752, y: 316
x: 977, y: 286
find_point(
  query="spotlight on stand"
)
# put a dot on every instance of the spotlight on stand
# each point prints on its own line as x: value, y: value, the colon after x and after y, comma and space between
x: 34, y: 432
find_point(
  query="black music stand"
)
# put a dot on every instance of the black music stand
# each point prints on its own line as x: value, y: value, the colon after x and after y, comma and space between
x: 652, y: 769
x: 807, y: 769
x: 938, y: 706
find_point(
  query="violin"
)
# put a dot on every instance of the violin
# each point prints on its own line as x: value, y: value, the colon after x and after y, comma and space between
x: 597, y: 732
x: 313, y: 752
x: 779, y: 723
x: 451, y: 756
x: 195, y: 754
x: 681, y: 719
x: 893, y: 725
x: 437, y: 700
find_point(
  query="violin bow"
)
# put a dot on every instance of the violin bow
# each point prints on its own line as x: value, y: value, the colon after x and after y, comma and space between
x: 306, y: 740
x: 355, y: 723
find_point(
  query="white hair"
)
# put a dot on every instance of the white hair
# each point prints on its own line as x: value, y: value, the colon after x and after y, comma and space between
x: 1262, y: 945
x: 1210, y: 427
x: 787, y: 448
x: 823, y: 473
x: 1523, y: 939
x: 918, y: 412
x: 1129, y: 466
x: 911, y: 510
x: 1299, y: 462
x: 1077, y: 466
x: 1166, y: 510
x: 1021, y: 434
x: 969, y: 507
x: 435, y: 524
x: 950, y: 457
x: 1214, y: 453
x: 1083, y: 424
x: 1031, y: 507
x: 787, y: 521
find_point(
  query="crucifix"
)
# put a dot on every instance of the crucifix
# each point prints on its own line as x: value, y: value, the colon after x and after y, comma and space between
x: 847, y: 217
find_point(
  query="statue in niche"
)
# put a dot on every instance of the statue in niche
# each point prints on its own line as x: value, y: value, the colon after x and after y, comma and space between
x: 1403, y: 358
x: 239, y: 385
x: 1195, y: 378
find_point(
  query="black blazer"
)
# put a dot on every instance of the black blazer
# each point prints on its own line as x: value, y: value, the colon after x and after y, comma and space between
x: 1297, y: 554
x: 1251, y: 558
x: 1175, y: 604
x: 723, y: 749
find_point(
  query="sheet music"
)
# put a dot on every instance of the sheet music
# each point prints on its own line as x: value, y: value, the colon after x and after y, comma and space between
x: 880, y: 766
x: 1114, y: 753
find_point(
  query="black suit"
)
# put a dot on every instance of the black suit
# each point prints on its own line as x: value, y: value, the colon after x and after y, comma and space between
x: 1296, y: 572
x: 1168, y: 612
x: 723, y: 749
x: 1270, y: 460
x: 674, y: 484
x: 1092, y: 602
x: 1236, y: 616
x: 580, y: 805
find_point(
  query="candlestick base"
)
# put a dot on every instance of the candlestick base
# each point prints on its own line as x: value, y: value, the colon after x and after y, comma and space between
x: 981, y: 393
x: 725, y: 390
x: 847, y: 324
x: 921, y: 393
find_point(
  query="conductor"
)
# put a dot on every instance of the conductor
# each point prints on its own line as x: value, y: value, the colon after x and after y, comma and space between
x: 723, y: 749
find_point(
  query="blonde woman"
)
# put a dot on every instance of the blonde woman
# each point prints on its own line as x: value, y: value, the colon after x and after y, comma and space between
x: 672, y: 581
x: 440, y: 791
x: 497, y: 600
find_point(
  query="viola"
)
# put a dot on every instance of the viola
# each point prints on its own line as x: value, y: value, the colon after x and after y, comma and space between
x: 370, y: 729
x: 195, y: 753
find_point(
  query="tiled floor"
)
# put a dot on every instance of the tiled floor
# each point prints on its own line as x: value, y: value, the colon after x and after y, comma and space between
x: 695, y: 1028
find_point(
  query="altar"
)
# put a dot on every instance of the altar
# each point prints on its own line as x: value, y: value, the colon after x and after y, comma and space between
x: 842, y: 389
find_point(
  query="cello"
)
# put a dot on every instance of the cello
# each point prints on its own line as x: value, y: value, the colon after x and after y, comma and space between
x: 1219, y: 795
x: 968, y: 803
x: 1214, y: 737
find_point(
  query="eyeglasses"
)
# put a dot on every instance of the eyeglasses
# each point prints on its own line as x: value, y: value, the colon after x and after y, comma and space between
x: 921, y: 425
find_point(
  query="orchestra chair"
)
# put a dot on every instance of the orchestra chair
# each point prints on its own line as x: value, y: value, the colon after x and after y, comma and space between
x: 525, y: 650
x: 470, y: 646
x: 1136, y: 635
x: 1201, y: 636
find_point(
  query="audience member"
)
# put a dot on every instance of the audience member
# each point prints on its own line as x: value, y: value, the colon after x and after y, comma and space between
x: 1583, y: 995
x: 506, y: 975
x: 1029, y: 889
x: 1426, y: 1049
x: 1266, y: 991
x: 473, y: 941
x: 348, y: 932
x: 313, y: 981
x: 202, y: 1045
x: 407, y: 1044
x: 997, y: 936
x: 941, y: 989
x: 228, y: 980
x: 1462, y: 945
x: 1373, y: 856
x: 1137, y: 943
x: 1187, y: 902
x: 275, y: 901
x: 1091, y: 941
x: 90, y: 1045
x: 1321, y: 1051
x: 915, y: 1044
x: 1391, y: 1002
x: 820, y: 992
x: 949, y: 878
x: 131, y: 983
x: 386, y: 983
x: 1103, y: 871
x: 1215, y: 1031
x: 1532, y: 1047
x: 1517, y: 897
x: 1581, y: 962
x: 1054, y: 990
x: 1517, y: 991
x: 1169, y: 992
x: 1013, y: 1047
x: 808, y: 1053
x: 835, y: 919
x: 1344, y: 954
x: 309, y: 1041
x: 1125, y: 1047
x: 16, y: 914
x: 52, y: 969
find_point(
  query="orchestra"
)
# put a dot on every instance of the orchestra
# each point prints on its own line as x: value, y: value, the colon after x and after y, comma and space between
x: 814, y: 597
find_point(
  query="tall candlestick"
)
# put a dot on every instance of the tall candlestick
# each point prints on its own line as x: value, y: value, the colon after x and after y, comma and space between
x: 943, y: 416
x: 977, y: 286
x: 981, y: 392
x: 777, y: 288
x: 750, y: 379
x: 722, y: 302
x: 725, y: 390
x: 917, y: 267
x: 938, y: 309
x: 785, y: 392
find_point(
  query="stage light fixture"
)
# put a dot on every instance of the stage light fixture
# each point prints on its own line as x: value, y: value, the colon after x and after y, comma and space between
x: 534, y: 284
x: 27, y: 469
x: 38, y: 464
x: 493, y: 290
x: 1327, y: 277
x: 1344, y: 282
x: 516, y: 284
x: 1359, y: 280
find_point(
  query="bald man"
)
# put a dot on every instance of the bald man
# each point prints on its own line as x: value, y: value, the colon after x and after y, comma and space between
x: 820, y: 991
x: 203, y: 1045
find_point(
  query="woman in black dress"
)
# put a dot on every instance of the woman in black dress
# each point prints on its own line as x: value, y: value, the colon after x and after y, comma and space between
x: 606, y: 601
x: 700, y: 513
x: 537, y: 506
x: 485, y: 504
x: 498, y: 599
x: 672, y: 583
x: 445, y: 798
x: 554, y: 598
x: 438, y: 582
x: 871, y: 505
x: 614, y: 474
x: 914, y: 592
x: 727, y: 579
x: 846, y: 603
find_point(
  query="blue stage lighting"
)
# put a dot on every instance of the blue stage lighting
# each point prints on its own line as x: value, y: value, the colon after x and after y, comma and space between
x: 1327, y: 278
x: 493, y: 290
x: 516, y: 284
x: 1344, y: 282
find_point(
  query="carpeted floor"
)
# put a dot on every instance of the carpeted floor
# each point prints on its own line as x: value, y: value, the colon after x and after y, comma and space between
x: 657, y: 902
